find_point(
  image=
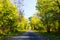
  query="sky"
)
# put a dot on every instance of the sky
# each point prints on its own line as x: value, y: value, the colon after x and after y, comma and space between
x: 29, y: 7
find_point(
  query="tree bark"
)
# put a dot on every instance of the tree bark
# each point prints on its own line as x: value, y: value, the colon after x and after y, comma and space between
x: 48, y: 28
x: 59, y: 27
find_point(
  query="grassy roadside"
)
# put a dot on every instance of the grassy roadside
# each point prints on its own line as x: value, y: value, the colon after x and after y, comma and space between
x: 11, y: 34
x: 51, y: 36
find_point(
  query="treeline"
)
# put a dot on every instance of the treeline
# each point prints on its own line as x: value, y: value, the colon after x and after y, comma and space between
x: 47, y: 16
x: 11, y: 20
x: 46, y: 19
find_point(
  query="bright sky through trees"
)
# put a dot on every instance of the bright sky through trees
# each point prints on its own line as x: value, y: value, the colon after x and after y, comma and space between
x: 29, y: 7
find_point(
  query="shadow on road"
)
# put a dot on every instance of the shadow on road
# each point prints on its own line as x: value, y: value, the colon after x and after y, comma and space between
x: 29, y: 35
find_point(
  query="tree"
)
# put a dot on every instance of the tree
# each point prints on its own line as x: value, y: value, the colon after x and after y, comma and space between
x: 35, y: 23
x: 23, y: 22
x: 48, y: 12
x: 8, y: 16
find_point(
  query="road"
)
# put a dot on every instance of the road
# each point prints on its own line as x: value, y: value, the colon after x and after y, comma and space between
x: 29, y: 35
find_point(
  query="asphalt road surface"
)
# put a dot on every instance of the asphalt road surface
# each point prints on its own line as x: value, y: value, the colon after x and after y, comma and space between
x: 29, y: 35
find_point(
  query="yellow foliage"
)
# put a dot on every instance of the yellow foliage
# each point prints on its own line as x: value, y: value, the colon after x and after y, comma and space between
x: 35, y: 20
x: 1, y: 5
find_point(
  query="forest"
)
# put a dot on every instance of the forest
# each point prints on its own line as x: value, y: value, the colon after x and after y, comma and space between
x: 45, y: 21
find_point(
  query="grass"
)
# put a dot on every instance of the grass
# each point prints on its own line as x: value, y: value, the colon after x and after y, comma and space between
x: 51, y: 36
x: 11, y: 34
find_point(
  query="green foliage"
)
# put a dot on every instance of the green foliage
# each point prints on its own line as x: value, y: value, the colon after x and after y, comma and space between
x: 49, y: 14
x: 36, y: 23
x: 22, y: 24
x: 51, y: 36
x: 10, y: 21
x: 8, y: 17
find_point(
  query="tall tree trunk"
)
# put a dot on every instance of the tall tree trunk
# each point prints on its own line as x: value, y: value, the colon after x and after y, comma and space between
x: 59, y: 27
x: 48, y: 28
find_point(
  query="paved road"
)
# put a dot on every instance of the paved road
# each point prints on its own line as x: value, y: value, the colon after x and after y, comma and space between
x: 29, y: 35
